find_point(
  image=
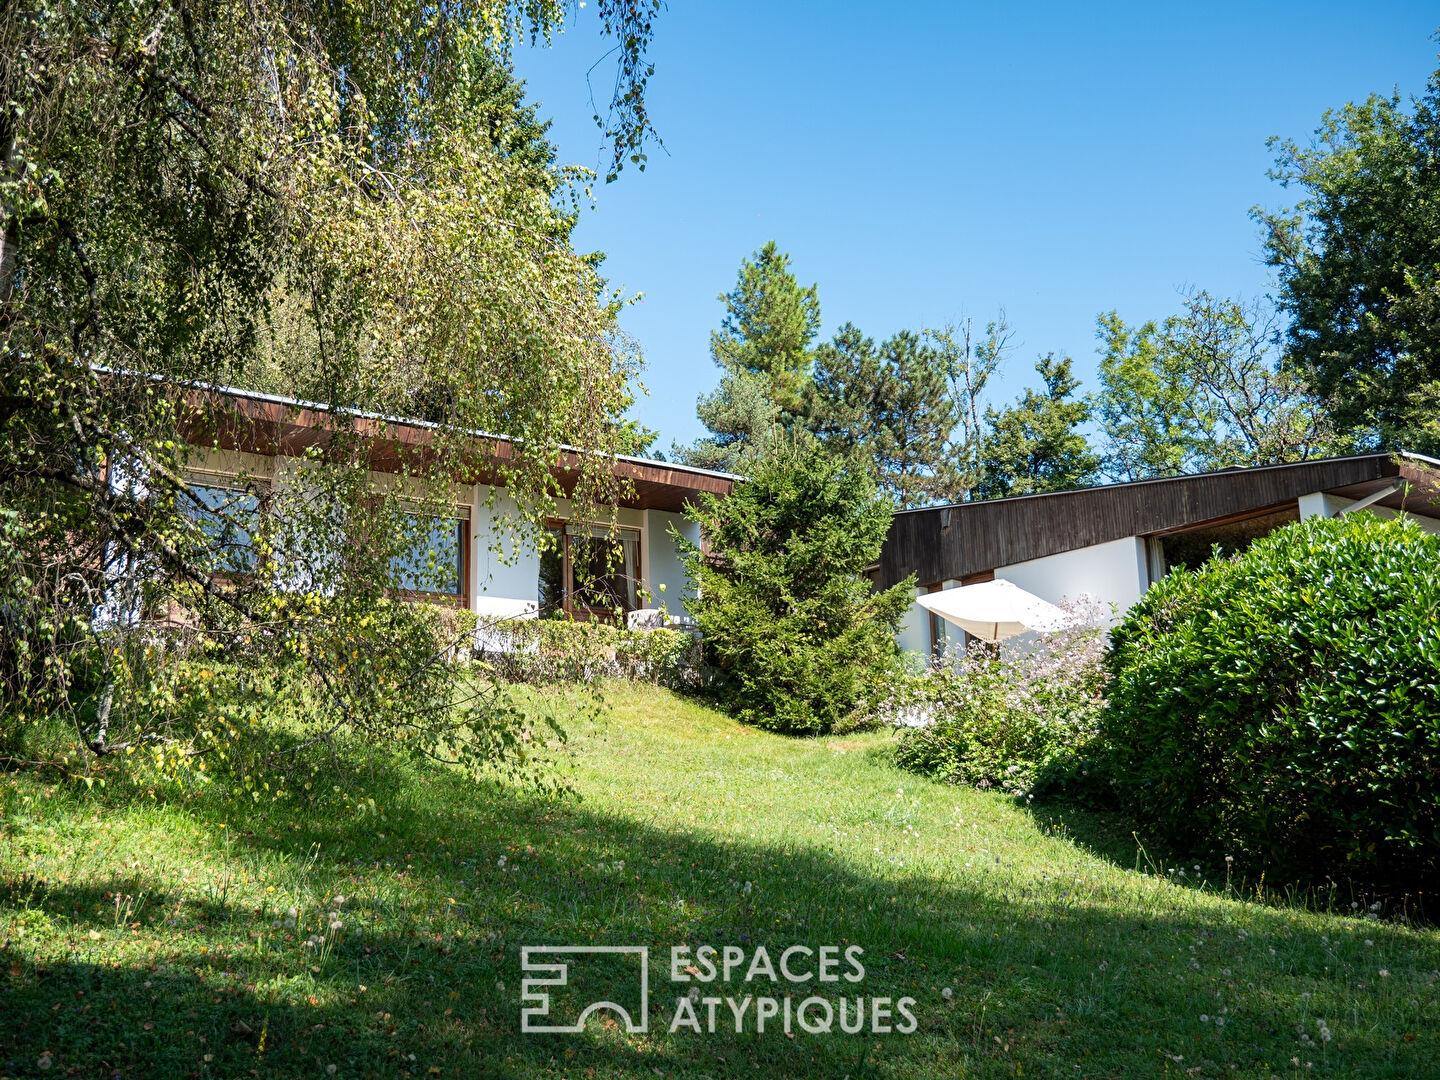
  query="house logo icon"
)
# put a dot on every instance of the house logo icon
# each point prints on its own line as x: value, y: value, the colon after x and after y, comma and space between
x: 552, y: 969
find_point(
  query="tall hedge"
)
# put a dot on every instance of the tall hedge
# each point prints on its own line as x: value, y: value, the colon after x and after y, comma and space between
x: 782, y: 601
x: 1282, y: 706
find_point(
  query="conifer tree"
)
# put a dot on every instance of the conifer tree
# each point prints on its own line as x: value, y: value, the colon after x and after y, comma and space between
x: 763, y: 350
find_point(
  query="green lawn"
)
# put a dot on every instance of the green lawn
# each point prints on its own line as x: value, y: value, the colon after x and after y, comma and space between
x: 139, y: 938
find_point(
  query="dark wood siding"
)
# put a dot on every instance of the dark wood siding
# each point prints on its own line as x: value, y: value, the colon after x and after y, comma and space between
x: 939, y: 543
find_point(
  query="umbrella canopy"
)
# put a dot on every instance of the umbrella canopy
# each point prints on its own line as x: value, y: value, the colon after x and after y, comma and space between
x: 993, y: 610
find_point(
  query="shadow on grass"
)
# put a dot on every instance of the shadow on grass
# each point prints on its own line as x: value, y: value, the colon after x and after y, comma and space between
x: 424, y: 978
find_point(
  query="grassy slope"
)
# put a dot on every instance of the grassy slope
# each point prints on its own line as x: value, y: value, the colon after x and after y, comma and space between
x: 1060, y: 963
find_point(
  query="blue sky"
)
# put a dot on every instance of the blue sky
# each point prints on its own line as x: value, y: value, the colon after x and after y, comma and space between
x: 928, y: 162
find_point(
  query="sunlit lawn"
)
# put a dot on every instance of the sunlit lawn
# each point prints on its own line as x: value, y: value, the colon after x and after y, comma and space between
x: 140, y: 938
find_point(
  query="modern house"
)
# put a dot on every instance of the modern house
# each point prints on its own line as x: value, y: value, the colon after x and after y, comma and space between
x: 627, y: 562
x: 1108, y: 544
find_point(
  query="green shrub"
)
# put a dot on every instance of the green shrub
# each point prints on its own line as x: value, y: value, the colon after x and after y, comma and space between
x: 1283, y: 706
x: 552, y: 651
x: 1002, y: 721
x: 782, y: 601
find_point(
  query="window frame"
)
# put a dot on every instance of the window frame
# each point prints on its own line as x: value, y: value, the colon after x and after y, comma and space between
x: 460, y: 514
x: 240, y: 484
x: 597, y: 530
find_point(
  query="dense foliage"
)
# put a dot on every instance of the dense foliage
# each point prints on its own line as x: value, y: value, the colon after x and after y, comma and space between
x: 1003, y: 719
x: 1038, y: 444
x: 1202, y: 390
x: 345, y: 202
x: 907, y: 408
x: 782, y: 599
x: 1283, y: 706
x: 1358, y: 258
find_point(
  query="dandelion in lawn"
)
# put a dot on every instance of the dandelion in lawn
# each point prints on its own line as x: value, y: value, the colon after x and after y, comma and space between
x: 336, y: 924
x: 339, y: 900
x: 500, y: 862
x: 1369, y: 944
x: 44, y: 1062
x: 1204, y: 1019
x: 693, y: 994
x: 329, y: 1070
x: 948, y: 994
x: 289, y: 924
x: 1384, y: 973
x: 746, y: 888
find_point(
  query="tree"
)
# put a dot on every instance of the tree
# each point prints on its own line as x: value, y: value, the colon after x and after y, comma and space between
x: 1036, y: 445
x: 1358, y: 259
x: 783, y: 602
x: 891, y: 407
x: 1144, y: 406
x: 214, y: 193
x: 763, y: 350
x: 970, y: 363
x: 1205, y: 389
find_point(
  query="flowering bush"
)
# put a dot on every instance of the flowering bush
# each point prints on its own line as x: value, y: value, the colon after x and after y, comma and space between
x: 997, y: 721
x: 1283, y: 705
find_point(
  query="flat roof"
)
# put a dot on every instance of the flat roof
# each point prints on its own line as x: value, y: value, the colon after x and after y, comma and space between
x: 953, y: 541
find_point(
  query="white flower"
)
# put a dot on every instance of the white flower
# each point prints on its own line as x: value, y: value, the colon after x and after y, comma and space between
x: 44, y: 1062
x: 336, y: 924
x: 500, y: 862
x: 1204, y: 1019
x: 947, y: 994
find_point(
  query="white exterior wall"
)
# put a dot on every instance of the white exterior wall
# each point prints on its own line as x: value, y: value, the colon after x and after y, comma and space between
x: 1319, y: 504
x: 504, y: 561
x: 1113, y: 575
x: 660, y: 558
x: 914, y: 635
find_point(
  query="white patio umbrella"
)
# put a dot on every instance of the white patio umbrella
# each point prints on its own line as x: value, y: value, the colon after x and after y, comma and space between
x: 993, y: 610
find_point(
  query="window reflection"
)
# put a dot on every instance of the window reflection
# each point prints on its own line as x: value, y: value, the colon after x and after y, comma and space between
x: 228, y: 517
x: 431, y: 557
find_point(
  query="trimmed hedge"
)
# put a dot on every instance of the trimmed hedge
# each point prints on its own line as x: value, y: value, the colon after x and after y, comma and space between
x: 555, y: 650
x: 1282, y: 706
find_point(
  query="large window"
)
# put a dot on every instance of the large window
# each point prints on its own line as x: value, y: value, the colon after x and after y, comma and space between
x: 590, y: 571
x: 228, y: 516
x: 432, y: 555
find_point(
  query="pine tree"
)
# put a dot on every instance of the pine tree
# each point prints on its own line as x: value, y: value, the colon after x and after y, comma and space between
x: 763, y: 350
x: 892, y: 407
